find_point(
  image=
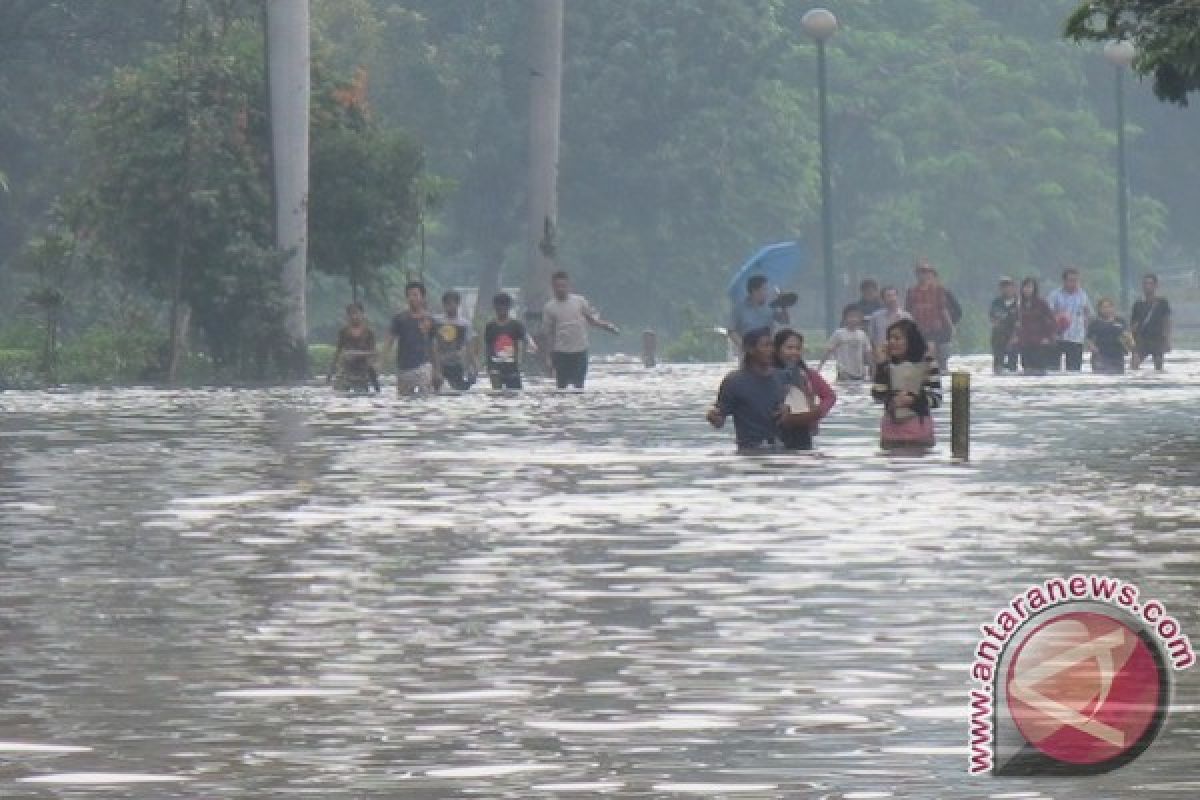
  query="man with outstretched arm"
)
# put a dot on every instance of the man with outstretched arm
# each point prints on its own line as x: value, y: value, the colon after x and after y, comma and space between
x: 566, y: 318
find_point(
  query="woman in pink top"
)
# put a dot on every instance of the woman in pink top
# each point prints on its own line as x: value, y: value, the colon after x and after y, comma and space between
x: 798, y: 425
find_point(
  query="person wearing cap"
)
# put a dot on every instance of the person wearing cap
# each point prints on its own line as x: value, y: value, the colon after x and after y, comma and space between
x: 932, y: 308
x: 1003, y: 315
x: 755, y: 312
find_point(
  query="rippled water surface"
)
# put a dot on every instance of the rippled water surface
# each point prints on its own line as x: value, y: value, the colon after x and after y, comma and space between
x: 288, y: 593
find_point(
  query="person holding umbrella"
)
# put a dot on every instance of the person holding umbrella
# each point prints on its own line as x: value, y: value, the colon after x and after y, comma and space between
x: 754, y: 312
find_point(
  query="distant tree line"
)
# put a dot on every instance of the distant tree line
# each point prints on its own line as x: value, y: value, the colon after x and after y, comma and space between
x: 133, y: 146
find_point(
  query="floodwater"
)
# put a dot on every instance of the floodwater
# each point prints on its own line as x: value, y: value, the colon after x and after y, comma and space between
x: 287, y: 593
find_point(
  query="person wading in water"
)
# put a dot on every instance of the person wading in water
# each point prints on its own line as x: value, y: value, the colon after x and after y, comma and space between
x: 353, y: 361
x: 566, y: 318
x: 753, y: 395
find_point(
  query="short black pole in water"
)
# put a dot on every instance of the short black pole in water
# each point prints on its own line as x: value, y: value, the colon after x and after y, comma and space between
x: 960, y: 415
x: 649, y: 348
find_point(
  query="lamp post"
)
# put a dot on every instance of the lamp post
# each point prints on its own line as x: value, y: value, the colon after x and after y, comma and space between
x: 1121, y: 54
x: 821, y: 24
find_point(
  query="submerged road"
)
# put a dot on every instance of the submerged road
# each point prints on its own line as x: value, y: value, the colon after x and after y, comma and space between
x: 286, y: 593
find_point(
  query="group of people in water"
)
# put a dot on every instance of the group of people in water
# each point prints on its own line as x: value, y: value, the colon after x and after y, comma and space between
x: 442, y: 350
x: 777, y: 401
x: 1048, y: 334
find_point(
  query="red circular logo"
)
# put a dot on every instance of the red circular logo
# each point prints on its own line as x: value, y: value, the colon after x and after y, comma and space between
x: 1084, y: 688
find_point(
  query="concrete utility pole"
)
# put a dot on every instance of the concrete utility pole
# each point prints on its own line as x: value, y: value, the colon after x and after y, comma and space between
x: 1121, y: 55
x: 288, y: 70
x: 545, y: 114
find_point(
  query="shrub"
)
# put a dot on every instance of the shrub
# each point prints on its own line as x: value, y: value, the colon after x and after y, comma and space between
x: 320, y: 356
x: 19, y: 369
x: 111, y: 353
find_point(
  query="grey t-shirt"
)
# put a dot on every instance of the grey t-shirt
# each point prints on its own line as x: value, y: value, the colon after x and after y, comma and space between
x: 879, y: 322
x: 568, y: 320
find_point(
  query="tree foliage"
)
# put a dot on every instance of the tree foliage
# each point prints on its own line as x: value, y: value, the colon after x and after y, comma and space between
x: 962, y: 130
x: 367, y: 182
x: 179, y: 180
x: 1165, y: 32
x: 180, y: 176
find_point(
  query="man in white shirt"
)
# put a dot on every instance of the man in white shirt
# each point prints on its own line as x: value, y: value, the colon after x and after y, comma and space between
x: 1072, y: 311
x: 566, y: 318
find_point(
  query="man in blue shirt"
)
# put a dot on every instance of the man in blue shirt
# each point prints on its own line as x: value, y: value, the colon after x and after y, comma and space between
x: 754, y: 312
x: 752, y: 395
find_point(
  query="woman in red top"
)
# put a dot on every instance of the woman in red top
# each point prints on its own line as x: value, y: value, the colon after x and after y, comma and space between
x: 1036, y: 329
x: 799, y: 425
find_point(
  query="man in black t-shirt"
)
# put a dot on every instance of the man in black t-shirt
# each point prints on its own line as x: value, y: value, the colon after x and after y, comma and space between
x: 1003, y: 315
x: 1151, y: 323
x: 502, y: 341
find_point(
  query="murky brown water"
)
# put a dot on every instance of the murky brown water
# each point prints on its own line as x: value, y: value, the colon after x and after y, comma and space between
x: 253, y: 594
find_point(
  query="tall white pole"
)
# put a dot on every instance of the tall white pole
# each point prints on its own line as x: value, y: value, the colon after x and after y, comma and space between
x: 1121, y: 55
x: 288, y: 66
x: 545, y: 102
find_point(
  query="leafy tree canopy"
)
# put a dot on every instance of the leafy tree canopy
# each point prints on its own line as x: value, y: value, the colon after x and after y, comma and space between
x: 1165, y: 32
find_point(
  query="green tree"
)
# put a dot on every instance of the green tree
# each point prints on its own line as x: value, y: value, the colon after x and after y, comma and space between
x: 50, y: 50
x: 185, y: 184
x: 1165, y: 32
x: 365, y: 205
x: 963, y: 130
x: 453, y: 74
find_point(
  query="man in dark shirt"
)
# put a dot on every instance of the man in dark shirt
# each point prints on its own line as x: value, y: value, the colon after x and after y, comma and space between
x: 1003, y: 315
x: 503, y: 339
x: 1151, y: 323
x: 752, y: 395
x: 412, y: 332
x: 869, y: 300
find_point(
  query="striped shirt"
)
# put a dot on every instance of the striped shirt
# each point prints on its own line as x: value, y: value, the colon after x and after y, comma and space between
x: 929, y: 397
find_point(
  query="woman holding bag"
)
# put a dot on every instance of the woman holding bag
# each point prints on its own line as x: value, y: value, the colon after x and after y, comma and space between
x: 909, y: 386
x: 809, y: 396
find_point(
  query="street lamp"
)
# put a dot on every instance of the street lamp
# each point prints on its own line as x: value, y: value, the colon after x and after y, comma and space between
x: 1121, y: 54
x: 821, y: 24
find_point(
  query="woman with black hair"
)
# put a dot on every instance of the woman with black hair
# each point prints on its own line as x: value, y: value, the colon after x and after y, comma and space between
x: 1036, y: 329
x: 809, y: 397
x: 909, y: 386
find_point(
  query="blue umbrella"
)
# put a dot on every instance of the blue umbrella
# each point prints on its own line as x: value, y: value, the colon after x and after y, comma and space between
x: 780, y: 263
